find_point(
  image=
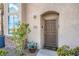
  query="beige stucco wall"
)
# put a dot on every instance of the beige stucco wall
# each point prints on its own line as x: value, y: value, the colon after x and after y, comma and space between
x: 68, y: 31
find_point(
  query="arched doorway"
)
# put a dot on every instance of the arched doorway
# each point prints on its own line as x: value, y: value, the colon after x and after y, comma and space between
x: 50, y: 29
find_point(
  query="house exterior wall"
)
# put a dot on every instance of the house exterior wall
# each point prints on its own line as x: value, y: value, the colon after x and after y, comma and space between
x: 68, y: 31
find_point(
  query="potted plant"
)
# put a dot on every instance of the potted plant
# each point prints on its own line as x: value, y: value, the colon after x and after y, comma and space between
x: 19, y: 35
x: 32, y: 46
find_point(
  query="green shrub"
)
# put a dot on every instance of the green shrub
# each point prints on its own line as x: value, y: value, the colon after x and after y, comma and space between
x: 64, y: 51
x: 76, y: 51
x: 3, y: 52
x: 19, y: 37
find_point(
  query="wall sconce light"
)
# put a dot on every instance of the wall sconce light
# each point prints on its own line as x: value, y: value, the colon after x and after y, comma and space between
x: 34, y: 16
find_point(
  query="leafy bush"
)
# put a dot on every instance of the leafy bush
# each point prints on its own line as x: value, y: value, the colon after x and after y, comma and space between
x: 19, y: 36
x: 3, y: 52
x: 76, y: 51
x: 65, y: 51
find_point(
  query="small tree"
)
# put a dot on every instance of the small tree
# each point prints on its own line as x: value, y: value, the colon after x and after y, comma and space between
x: 19, y: 35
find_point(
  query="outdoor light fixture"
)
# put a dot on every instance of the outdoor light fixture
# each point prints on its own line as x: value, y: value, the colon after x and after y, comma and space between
x: 34, y: 16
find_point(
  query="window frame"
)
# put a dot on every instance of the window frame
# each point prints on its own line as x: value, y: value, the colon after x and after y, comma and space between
x: 18, y: 13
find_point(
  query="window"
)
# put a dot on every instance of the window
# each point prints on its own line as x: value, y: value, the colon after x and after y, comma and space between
x: 13, y: 7
x: 13, y: 16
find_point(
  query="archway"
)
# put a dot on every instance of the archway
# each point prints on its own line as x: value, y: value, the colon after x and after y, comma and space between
x: 49, y: 31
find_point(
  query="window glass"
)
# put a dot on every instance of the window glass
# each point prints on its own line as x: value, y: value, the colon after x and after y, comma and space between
x: 13, y: 18
x: 13, y: 21
x: 16, y: 21
x: 13, y: 7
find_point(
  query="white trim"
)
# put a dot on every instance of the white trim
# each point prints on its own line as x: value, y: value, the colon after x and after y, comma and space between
x: 20, y: 10
x: 5, y: 20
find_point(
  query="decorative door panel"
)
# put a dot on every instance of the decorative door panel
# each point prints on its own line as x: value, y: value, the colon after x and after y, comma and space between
x: 50, y: 33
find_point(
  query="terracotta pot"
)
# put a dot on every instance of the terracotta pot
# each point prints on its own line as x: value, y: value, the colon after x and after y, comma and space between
x: 32, y: 50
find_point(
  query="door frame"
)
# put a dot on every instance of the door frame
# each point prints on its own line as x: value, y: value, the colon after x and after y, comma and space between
x: 42, y: 27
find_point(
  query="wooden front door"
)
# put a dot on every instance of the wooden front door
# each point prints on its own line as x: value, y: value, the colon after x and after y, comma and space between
x: 50, y: 34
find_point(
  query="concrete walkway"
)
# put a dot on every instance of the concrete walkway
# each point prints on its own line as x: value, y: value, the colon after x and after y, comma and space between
x: 46, y: 52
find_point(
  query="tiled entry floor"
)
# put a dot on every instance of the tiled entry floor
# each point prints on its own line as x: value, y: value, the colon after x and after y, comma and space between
x: 45, y: 52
